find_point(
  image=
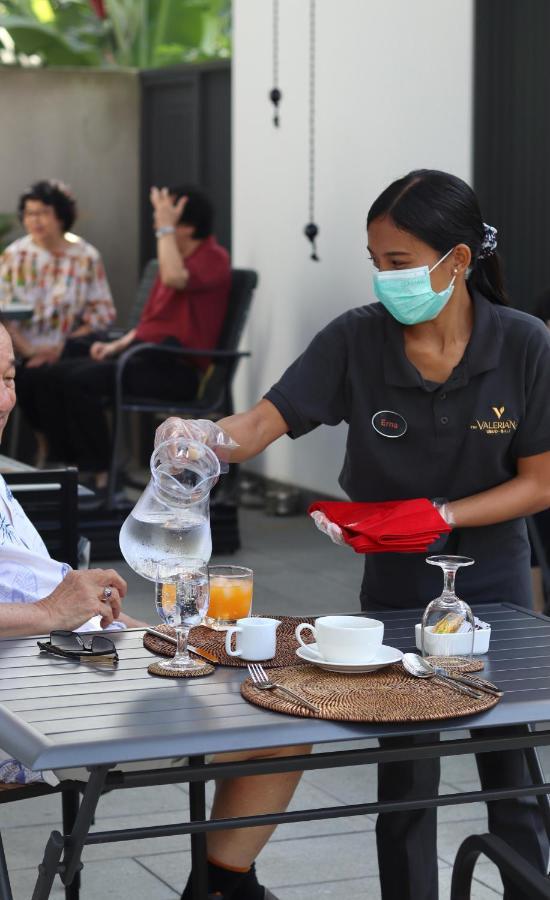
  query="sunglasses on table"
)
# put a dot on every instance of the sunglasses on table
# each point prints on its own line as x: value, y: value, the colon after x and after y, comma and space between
x: 72, y: 645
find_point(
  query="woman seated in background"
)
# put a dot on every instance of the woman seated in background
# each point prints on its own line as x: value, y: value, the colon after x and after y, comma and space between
x: 62, y: 277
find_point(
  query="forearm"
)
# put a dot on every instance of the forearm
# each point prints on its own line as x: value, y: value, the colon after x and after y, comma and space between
x: 171, y: 268
x: 81, y: 331
x: 124, y: 342
x: 521, y: 496
x: 20, y: 619
x: 254, y: 430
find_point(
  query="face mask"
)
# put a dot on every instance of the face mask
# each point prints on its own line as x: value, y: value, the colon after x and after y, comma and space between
x: 408, y: 295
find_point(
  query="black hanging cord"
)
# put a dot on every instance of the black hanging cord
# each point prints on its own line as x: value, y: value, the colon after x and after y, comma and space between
x: 275, y: 94
x: 312, y: 230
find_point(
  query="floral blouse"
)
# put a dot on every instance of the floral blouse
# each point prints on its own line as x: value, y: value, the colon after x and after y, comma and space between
x: 66, y: 289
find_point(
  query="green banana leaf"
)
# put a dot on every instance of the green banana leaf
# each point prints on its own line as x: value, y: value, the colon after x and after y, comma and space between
x: 56, y: 48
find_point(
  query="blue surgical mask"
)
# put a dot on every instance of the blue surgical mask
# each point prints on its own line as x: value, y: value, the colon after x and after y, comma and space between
x: 408, y: 294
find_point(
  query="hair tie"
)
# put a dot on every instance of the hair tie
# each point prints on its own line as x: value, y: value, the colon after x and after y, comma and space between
x: 489, y: 243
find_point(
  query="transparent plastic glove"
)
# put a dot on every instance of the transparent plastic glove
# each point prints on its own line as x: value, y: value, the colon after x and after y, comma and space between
x: 202, y: 430
x: 334, y: 532
x: 445, y: 512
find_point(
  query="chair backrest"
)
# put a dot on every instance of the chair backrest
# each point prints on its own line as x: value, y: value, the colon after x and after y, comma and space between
x: 142, y: 294
x: 220, y: 374
x: 50, y: 499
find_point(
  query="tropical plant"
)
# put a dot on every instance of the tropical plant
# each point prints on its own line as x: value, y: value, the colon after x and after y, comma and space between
x: 137, y: 33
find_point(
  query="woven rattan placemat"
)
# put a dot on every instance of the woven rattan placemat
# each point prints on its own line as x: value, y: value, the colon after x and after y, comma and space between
x: 388, y: 695
x: 206, y: 639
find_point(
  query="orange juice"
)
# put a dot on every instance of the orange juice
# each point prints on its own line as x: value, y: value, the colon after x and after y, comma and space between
x: 230, y: 599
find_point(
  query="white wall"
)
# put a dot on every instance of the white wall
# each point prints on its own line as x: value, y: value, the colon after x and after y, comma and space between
x: 393, y: 93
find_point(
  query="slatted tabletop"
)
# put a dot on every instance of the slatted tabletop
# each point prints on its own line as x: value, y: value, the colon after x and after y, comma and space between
x: 55, y: 713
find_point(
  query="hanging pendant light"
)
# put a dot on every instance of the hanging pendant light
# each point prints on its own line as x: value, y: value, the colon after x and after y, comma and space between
x: 311, y: 230
x: 275, y: 94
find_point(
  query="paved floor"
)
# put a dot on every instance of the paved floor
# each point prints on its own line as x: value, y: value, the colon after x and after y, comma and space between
x: 296, y: 571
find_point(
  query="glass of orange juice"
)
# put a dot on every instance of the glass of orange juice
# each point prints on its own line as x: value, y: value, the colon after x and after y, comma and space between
x: 230, y: 596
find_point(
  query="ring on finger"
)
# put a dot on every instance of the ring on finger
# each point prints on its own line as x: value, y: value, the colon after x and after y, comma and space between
x: 107, y: 593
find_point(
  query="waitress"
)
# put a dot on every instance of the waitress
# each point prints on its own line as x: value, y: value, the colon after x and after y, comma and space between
x: 462, y: 380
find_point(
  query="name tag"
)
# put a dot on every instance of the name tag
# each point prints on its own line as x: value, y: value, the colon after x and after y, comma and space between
x: 389, y: 424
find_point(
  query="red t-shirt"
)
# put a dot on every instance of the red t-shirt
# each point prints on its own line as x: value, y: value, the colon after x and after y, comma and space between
x: 195, y: 314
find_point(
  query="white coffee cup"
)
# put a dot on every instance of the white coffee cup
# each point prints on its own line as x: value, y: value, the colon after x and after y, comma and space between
x: 349, y: 639
x: 255, y: 638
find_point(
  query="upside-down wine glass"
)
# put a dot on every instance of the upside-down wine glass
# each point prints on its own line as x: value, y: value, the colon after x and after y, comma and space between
x: 448, y: 603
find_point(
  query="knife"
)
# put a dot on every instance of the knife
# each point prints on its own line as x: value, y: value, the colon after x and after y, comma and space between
x: 205, y: 654
x: 477, y: 684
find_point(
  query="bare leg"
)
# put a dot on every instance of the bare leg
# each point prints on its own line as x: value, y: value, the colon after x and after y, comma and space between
x: 248, y: 796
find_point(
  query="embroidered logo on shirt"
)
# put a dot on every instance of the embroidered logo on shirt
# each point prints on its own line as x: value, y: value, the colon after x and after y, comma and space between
x: 492, y: 426
x: 389, y: 424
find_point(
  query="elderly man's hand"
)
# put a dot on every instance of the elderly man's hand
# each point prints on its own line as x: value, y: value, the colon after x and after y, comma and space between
x: 167, y: 213
x: 83, y: 594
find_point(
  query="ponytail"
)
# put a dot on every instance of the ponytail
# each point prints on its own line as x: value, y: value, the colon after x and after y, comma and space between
x: 487, y: 278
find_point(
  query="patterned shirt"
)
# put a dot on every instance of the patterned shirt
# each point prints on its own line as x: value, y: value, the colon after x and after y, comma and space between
x: 66, y: 289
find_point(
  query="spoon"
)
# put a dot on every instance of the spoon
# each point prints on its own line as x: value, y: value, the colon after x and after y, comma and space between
x: 421, y: 668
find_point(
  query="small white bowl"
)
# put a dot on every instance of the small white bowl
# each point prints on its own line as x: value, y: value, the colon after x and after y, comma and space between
x: 453, y: 644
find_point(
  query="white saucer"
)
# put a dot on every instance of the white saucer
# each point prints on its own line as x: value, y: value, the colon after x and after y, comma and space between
x: 385, y: 656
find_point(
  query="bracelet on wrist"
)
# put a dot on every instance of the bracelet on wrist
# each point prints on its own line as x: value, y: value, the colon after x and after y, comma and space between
x: 163, y: 230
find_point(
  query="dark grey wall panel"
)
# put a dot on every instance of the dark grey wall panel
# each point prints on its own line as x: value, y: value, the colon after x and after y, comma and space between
x: 186, y: 138
x: 512, y: 137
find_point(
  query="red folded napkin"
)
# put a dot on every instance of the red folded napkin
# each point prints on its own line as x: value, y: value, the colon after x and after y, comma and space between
x: 394, y: 526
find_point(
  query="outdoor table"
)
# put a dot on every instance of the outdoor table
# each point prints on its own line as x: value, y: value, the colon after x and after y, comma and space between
x: 56, y: 714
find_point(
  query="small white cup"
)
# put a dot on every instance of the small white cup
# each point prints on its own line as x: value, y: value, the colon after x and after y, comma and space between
x: 349, y: 639
x: 255, y: 638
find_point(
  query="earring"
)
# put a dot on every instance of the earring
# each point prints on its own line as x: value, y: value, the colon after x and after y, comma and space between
x: 455, y: 271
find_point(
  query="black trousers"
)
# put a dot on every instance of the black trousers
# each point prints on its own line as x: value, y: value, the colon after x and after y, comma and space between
x: 67, y: 401
x: 407, y: 841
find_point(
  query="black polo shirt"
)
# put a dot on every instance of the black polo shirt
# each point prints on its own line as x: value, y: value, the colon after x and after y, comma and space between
x: 453, y: 440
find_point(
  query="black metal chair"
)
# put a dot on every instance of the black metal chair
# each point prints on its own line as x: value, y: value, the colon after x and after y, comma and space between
x: 529, y: 881
x: 214, y: 397
x: 50, y: 499
x: 70, y: 800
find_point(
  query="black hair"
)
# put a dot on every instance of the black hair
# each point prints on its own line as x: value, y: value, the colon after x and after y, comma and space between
x: 198, y: 211
x: 443, y: 211
x: 51, y: 193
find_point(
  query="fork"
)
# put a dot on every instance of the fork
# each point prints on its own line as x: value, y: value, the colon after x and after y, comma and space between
x: 262, y: 682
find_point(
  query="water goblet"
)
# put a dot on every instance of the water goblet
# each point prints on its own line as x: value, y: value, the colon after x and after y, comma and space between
x: 448, y: 604
x: 181, y: 596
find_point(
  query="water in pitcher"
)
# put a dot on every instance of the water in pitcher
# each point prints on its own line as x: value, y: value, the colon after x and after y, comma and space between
x: 156, y: 536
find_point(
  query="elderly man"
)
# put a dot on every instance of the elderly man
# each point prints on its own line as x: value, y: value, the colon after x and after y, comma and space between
x: 39, y: 595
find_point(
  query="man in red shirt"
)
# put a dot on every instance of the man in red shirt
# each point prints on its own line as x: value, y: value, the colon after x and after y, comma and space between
x: 187, y: 305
